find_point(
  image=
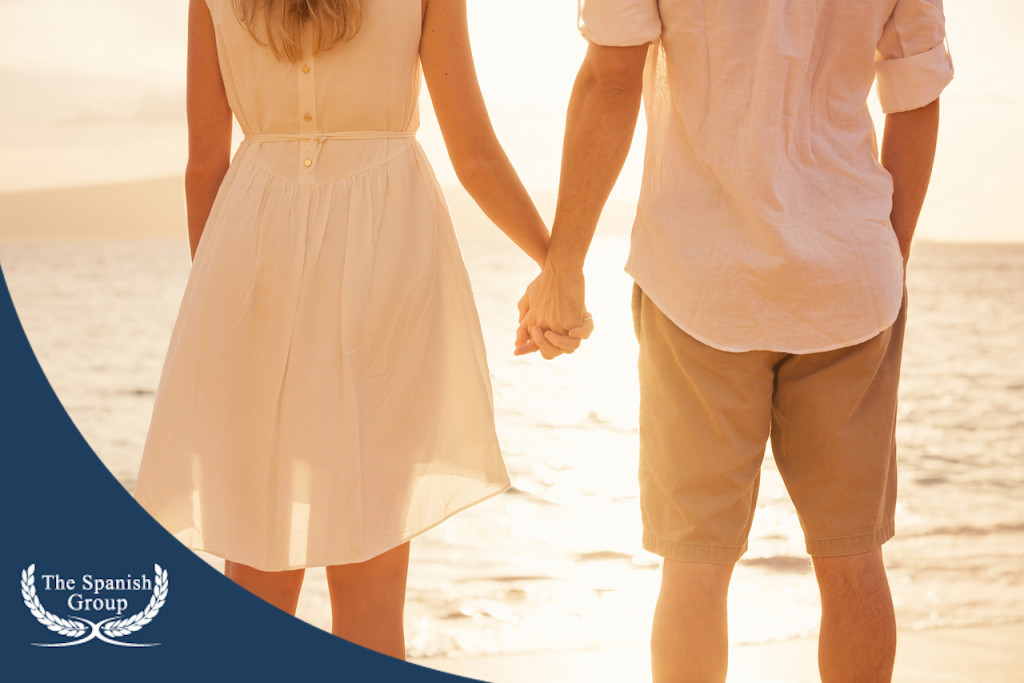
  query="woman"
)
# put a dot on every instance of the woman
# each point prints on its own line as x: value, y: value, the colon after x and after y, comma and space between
x: 326, y: 397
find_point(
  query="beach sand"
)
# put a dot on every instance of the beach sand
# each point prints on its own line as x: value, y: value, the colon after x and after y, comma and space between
x: 961, y: 655
x: 155, y: 209
x: 144, y: 209
x: 984, y: 654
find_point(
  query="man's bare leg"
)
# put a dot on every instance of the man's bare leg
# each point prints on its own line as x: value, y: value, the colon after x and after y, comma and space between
x: 858, y: 626
x: 689, y: 640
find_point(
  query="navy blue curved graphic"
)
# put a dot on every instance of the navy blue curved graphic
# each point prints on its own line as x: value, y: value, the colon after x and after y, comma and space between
x: 74, y: 531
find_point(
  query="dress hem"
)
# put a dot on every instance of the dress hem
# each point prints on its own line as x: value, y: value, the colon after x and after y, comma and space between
x: 359, y: 558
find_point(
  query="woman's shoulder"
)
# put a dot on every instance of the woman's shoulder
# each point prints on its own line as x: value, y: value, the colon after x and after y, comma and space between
x: 218, y: 8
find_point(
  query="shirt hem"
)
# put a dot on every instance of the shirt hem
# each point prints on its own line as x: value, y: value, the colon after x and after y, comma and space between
x: 744, y: 348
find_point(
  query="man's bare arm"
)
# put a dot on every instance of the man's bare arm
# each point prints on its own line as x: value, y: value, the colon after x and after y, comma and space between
x: 599, y: 128
x: 908, y: 151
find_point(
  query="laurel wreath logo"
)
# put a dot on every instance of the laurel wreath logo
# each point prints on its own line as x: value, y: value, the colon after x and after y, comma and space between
x: 84, y: 630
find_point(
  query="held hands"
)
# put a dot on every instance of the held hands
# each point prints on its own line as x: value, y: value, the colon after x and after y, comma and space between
x: 552, y: 315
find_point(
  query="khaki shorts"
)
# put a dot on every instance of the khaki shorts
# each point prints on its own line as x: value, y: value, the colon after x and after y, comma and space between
x: 706, y: 416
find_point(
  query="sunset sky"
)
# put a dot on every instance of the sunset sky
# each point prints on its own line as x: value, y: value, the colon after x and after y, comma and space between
x: 94, y: 93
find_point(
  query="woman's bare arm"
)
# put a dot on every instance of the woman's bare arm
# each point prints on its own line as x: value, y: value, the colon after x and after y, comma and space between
x: 209, y: 122
x: 477, y: 156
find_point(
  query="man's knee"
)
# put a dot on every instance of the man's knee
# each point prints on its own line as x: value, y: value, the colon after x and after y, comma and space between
x: 861, y: 573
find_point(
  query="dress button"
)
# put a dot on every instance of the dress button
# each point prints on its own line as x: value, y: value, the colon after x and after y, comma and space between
x: 307, y: 117
x: 308, y: 162
x: 305, y: 68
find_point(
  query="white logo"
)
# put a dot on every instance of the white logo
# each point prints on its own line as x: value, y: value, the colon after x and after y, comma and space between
x: 83, y: 630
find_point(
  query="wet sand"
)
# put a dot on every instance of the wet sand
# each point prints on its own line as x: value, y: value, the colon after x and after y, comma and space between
x: 962, y: 655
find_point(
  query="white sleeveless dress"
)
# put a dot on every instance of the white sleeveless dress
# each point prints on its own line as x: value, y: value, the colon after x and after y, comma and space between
x: 326, y: 395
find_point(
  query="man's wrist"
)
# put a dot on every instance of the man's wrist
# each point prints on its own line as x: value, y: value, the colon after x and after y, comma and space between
x: 563, y: 268
x: 564, y: 260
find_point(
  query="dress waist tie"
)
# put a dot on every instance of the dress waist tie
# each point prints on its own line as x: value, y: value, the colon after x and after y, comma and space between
x: 316, y: 140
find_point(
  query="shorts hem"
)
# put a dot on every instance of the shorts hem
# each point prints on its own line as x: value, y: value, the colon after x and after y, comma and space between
x: 683, y: 552
x: 851, y: 545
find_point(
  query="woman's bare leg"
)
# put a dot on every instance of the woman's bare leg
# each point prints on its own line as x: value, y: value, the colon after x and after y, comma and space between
x: 368, y: 601
x: 280, y: 589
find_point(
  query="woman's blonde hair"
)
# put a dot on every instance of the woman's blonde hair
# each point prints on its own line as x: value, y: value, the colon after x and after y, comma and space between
x: 282, y: 24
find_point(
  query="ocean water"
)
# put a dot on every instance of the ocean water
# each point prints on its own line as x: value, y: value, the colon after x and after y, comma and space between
x: 556, y: 563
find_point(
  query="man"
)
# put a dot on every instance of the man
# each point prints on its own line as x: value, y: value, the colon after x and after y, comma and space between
x: 769, y: 254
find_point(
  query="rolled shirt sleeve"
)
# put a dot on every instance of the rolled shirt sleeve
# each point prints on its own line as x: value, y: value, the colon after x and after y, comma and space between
x: 619, y: 23
x: 912, y: 64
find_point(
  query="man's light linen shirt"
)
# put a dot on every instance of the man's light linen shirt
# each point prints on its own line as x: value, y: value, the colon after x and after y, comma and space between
x: 763, y: 220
